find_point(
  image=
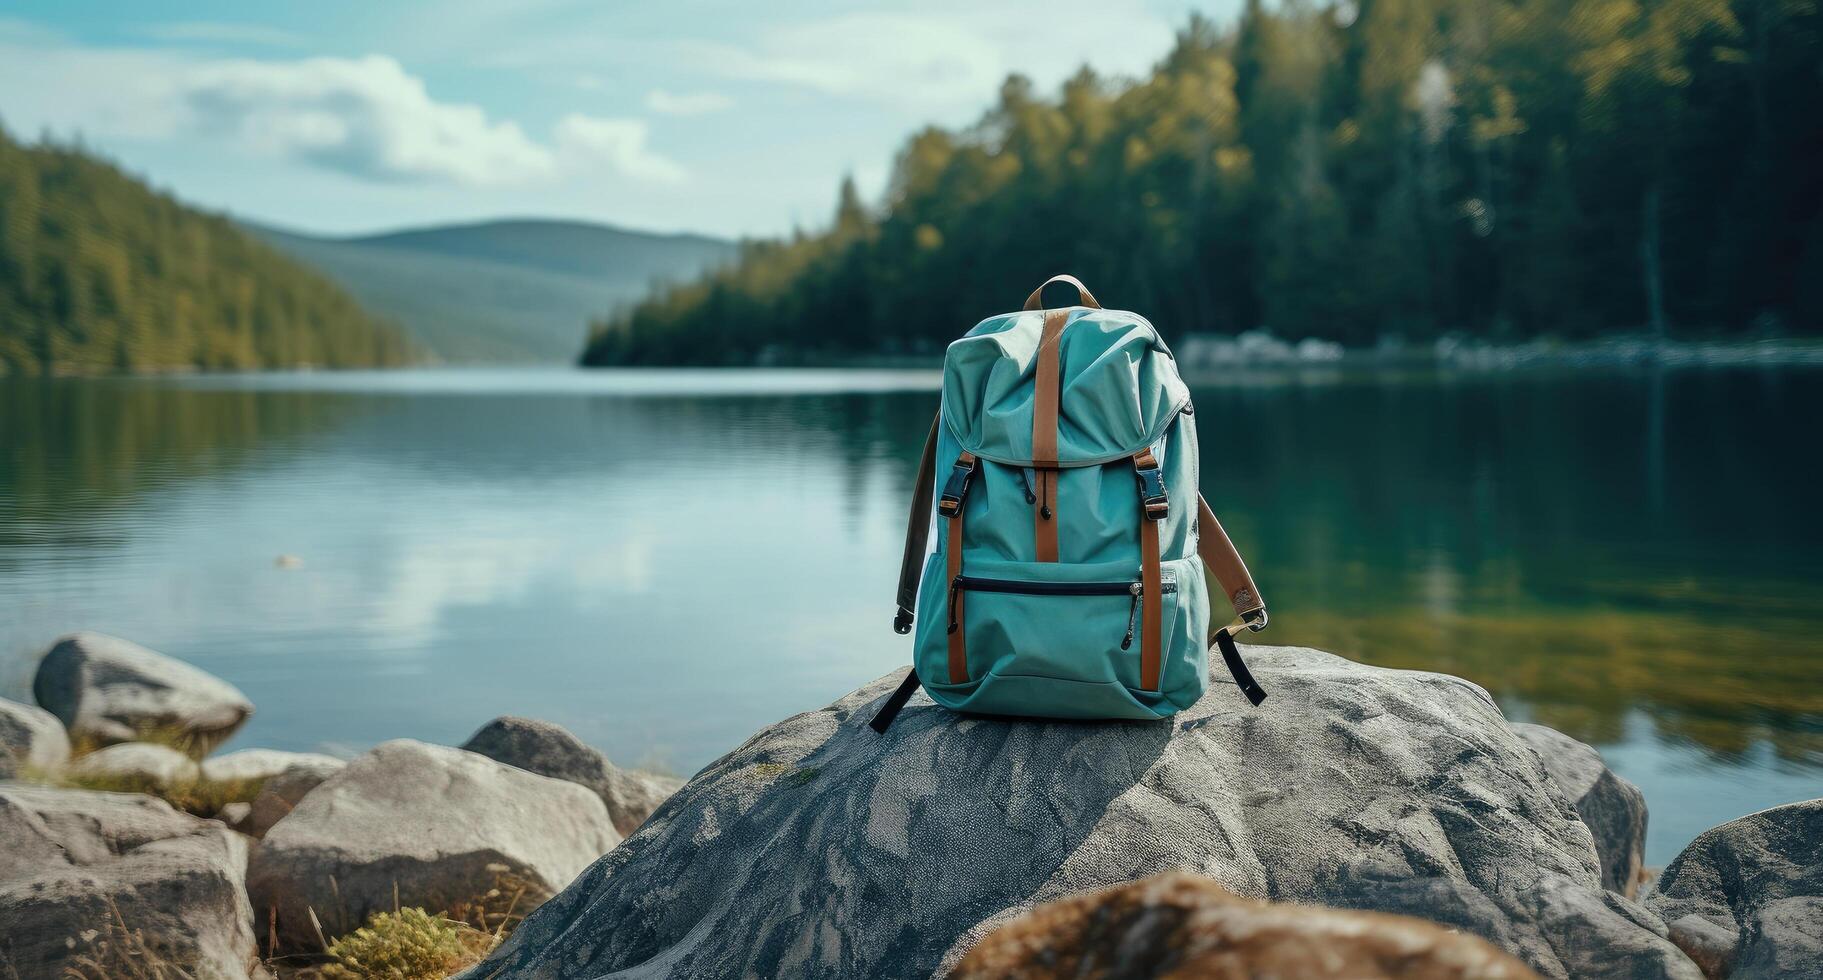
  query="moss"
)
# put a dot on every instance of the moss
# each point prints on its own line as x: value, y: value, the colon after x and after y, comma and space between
x: 201, y: 797
x: 410, y: 944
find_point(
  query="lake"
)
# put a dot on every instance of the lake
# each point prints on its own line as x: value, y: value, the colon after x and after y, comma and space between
x: 665, y: 561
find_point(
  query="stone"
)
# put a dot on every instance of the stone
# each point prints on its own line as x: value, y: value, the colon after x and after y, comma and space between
x: 137, y: 765
x: 32, y: 740
x: 106, y: 690
x: 252, y: 764
x: 80, y: 867
x: 821, y: 849
x: 1613, y: 809
x: 1745, y: 899
x: 433, y: 826
x: 1189, y: 926
x: 280, y: 794
x: 550, y: 750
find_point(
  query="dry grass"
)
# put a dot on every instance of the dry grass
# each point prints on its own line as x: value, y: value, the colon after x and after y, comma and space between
x: 411, y: 944
x: 120, y: 952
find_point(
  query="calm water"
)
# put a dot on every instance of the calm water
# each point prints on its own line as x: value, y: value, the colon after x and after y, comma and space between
x: 665, y: 561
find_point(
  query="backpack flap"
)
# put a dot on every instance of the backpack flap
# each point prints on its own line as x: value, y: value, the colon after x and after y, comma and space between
x: 1118, y: 382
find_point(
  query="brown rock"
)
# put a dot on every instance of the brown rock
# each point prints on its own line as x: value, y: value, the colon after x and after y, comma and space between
x: 1178, y: 925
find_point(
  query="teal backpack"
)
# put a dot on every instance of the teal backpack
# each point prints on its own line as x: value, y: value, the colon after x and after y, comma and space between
x: 1068, y: 580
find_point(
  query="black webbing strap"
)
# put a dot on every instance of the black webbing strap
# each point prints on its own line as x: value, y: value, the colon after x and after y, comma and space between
x: 1238, y: 667
x: 917, y: 531
x: 883, y: 718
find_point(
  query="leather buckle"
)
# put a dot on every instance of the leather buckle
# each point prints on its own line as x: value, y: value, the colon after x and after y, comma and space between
x: 955, y: 489
x: 1152, y: 496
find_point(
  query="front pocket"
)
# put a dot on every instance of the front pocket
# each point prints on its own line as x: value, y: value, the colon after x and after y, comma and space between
x: 1073, y: 622
x: 1135, y: 591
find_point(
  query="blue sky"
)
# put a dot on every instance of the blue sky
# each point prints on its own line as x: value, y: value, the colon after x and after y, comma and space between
x: 729, y: 118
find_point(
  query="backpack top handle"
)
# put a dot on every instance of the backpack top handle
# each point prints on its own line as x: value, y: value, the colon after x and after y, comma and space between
x: 1035, y: 301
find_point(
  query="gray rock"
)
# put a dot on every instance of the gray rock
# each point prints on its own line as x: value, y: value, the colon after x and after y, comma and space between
x: 437, y: 824
x: 550, y: 750
x: 72, y: 858
x: 820, y: 849
x: 31, y: 739
x: 235, y: 814
x: 105, y: 690
x: 250, y: 764
x: 1750, y: 893
x: 1613, y: 809
x: 137, y: 765
x: 279, y: 795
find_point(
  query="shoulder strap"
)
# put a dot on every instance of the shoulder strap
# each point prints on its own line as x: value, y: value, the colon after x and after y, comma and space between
x: 1225, y: 564
x: 917, y: 530
x: 1218, y: 553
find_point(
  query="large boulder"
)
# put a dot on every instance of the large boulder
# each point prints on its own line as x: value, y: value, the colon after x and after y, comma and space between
x: 248, y: 765
x: 81, y: 869
x: 423, y: 825
x: 31, y: 740
x: 1188, y: 926
x: 136, y: 766
x: 1746, y: 898
x: 1613, y: 809
x: 550, y: 750
x: 820, y: 849
x: 106, y: 690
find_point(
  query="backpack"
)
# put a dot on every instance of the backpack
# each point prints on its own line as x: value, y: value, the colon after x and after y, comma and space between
x: 1068, y: 579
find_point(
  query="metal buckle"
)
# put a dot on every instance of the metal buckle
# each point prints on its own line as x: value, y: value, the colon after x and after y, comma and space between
x: 1152, y: 496
x: 955, y: 489
x: 1254, y: 620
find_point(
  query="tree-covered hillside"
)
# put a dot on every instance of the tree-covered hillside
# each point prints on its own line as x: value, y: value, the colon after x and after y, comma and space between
x: 1494, y: 168
x: 100, y: 273
x: 517, y: 291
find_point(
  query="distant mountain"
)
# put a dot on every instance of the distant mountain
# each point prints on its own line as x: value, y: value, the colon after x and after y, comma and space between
x: 503, y: 291
x: 100, y: 273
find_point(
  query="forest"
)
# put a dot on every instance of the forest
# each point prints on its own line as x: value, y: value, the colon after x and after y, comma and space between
x: 100, y: 274
x: 1359, y: 171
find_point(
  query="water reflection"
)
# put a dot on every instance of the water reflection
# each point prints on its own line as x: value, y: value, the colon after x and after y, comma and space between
x: 665, y: 561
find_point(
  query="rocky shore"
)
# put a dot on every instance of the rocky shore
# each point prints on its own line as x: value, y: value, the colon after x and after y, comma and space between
x: 1365, y: 822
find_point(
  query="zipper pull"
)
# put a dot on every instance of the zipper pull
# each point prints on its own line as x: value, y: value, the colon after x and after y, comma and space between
x: 955, y: 588
x: 1132, y: 615
x: 1044, y: 481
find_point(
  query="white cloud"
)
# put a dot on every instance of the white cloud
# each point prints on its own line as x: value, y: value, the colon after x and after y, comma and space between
x: 686, y: 104
x: 363, y: 116
x: 937, y: 61
x: 618, y: 144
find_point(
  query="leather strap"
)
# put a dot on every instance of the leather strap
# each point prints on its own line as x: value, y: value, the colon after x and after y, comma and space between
x: 1046, y: 402
x: 1036, y: 300
x: 1225, y: 564
x: 1151, y: 638
x: 958, y: 623
x: 917, y: 530
x: 1218, y: 553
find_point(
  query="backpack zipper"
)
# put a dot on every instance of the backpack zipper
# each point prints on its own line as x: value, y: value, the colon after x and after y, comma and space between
x: 971, y: 583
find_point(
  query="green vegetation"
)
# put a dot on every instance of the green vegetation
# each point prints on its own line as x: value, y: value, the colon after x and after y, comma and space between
x: 1349, y: 171
x: 503, y: 291
x: 99, y: 274
x: 409, y: 944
